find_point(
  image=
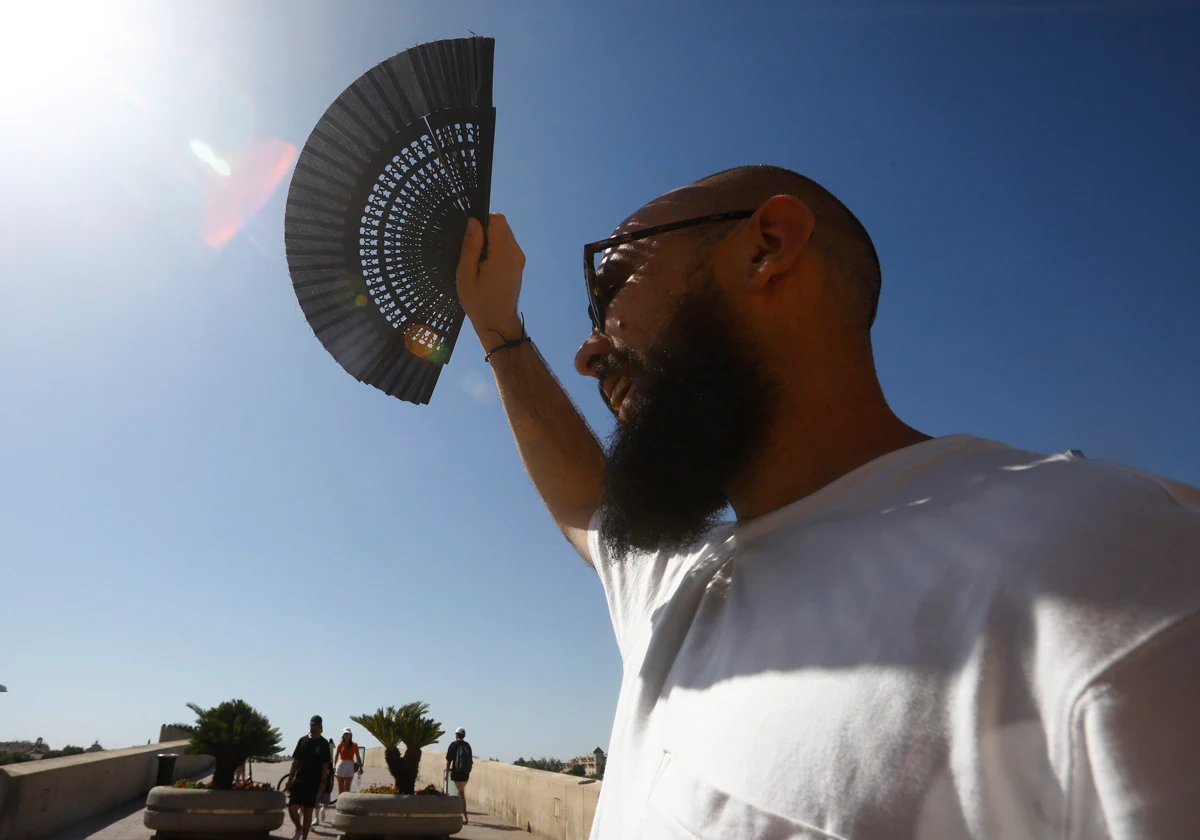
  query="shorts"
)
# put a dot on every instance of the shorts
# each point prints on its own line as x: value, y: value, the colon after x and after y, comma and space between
x: 304, y: 794
x: 345, y: 769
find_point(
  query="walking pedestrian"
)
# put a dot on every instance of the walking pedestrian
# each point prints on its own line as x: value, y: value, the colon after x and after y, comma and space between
x: 309, y: 772
x: 459, y: 761
x: 325, y: 796
x: 348, y: 761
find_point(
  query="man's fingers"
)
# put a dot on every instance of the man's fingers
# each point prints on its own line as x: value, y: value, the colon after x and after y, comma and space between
x: 472, y: 244
x: 502, y: 240
x: 498, y: 228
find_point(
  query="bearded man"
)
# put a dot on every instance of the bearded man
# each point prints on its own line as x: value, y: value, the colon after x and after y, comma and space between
x: 899, y: 636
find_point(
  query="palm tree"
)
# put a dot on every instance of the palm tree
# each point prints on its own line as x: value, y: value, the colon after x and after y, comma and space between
x: 231, y: 733
x: 408, y: 725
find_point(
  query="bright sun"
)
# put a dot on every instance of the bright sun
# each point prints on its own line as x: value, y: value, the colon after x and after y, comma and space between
x: 50, y: 48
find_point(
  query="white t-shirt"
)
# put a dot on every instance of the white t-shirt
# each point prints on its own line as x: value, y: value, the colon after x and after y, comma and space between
x: 956, y: 640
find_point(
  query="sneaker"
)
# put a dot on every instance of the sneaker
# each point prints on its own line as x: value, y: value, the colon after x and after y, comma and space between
x: 296, y: 835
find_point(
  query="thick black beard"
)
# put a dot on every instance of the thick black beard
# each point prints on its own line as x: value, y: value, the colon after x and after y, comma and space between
x: 700, y: 412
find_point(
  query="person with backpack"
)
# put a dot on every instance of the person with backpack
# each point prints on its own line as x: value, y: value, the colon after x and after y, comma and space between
x: 458, y: 764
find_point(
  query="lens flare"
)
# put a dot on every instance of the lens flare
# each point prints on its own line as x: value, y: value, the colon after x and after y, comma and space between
x: 201, y: 150
x: 255, y: 172
x: 422, y: 341
x: 481, y: 388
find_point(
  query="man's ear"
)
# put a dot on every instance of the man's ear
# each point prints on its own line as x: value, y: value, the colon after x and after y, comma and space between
x: 779, y: 232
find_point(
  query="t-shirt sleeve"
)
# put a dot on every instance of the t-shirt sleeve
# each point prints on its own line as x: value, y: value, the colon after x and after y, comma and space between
x: 1136, y: 744
x: 633, y: 586
x: 299, y: 751
x: 452, y: 751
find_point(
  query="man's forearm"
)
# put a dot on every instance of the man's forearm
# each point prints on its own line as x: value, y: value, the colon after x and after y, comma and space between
x: 559, y: 451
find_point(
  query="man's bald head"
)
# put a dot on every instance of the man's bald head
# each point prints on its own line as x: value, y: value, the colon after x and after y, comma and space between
x: 720, y: 339
x: 838, y: 234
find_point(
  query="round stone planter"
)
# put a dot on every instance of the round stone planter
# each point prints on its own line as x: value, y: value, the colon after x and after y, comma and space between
x: 377, y: 814
x: 182, y: 814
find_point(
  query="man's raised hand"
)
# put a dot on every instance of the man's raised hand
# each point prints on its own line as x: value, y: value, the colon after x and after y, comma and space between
x: 489, y: 290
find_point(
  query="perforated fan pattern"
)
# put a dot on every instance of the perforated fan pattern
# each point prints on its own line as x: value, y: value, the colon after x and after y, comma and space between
x: 377, y: 210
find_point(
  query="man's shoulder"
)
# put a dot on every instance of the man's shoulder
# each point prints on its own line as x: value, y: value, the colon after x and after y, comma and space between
x: 1065, y: 497
x: 1030, y: 493
x: 1099, y: 555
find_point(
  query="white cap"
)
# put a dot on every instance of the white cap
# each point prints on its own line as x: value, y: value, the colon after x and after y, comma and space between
x: 347, y: 731
x: 460, y: 731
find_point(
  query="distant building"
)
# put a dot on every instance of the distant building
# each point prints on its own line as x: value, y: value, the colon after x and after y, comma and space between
x: 593, y: 765
x: 37, y: 749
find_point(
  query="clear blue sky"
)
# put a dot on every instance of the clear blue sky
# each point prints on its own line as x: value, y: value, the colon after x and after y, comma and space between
x: 197, y: 503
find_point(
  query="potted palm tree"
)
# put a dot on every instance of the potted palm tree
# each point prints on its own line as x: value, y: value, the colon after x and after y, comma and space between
x: 231, y: 733
x: 408, y: 725
x: 400, y: 810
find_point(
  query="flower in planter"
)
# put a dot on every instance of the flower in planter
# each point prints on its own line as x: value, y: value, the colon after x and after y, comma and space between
x: 389, y: 790
x: 430, y: 790
x: 188, y: 784
x: 408, y: 725
x: 248, y: 785
x: 231, y: 733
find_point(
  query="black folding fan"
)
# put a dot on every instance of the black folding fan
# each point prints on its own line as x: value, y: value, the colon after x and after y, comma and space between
x: 378, y: 206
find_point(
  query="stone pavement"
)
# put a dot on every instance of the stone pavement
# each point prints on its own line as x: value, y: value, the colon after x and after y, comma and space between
x: 125, y: 822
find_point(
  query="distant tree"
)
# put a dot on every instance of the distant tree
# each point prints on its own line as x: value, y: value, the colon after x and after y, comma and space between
x: 13, y: 758
x: 550, y: 765
x: 95, y: 747
x: 577, y: 770
x: 65, y: 751
x: 597, y: 776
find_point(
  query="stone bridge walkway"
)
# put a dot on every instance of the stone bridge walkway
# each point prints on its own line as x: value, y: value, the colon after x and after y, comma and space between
x: 125, y: 822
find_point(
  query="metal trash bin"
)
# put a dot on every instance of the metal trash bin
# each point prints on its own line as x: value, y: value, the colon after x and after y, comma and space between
x: 166, y: 769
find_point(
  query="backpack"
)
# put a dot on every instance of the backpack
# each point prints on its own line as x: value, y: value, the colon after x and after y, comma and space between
x: 463, y: 760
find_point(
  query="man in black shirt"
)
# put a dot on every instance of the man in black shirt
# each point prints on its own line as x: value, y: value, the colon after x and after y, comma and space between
x: 458, y: 764
x: 311, y: 765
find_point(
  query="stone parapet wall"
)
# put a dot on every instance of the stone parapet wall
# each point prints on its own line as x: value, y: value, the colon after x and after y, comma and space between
x: 551, y: 805
x: 39, y: 798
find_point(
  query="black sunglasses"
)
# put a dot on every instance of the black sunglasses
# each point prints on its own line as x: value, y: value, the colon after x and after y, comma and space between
x: 598, y: 301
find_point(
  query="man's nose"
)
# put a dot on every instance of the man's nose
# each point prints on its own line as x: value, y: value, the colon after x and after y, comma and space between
x: 594, y: 348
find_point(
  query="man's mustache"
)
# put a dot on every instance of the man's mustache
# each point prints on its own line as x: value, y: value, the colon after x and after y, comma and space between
x: 616, y: 361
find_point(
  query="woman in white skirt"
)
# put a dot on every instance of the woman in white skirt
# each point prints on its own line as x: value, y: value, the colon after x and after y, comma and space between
x: 348, y: 761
